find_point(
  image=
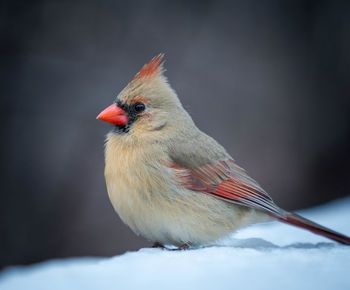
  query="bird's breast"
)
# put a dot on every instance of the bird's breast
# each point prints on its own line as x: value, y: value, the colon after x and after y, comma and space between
x: 137, y: 181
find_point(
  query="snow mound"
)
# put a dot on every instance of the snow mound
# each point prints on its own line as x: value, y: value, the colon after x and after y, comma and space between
x: 266, y: 256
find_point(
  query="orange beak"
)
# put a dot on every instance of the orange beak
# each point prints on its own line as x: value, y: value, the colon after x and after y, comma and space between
x: 114, y: 115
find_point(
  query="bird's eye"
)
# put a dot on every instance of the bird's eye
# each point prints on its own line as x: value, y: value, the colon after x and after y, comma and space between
x: 139, y: 107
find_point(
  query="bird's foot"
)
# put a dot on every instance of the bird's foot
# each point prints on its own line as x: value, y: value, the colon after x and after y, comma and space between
x: 158, y: 245
x: 184, y: 247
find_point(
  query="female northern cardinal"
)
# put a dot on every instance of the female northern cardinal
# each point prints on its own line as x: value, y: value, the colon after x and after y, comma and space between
x: 170, y: 182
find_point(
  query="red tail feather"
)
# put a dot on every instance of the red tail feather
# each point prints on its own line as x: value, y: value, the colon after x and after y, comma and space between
x: 299, y: 221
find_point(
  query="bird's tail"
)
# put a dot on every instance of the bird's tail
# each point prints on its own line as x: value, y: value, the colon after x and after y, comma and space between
x: 299, y: 221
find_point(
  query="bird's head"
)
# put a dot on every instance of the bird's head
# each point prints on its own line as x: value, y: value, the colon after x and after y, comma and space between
x: 146, y: 104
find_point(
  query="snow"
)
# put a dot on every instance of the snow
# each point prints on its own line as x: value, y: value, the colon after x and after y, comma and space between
x: 266, y: 256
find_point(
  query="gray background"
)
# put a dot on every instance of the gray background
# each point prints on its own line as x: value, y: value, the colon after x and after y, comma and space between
x: 268, y: 79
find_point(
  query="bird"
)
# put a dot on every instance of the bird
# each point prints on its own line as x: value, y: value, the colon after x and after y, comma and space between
x: 172, y: 183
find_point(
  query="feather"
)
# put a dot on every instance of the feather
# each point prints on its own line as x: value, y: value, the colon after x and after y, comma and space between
x: 153, y: 68
x: 227, y: 181
x: 299, y: 221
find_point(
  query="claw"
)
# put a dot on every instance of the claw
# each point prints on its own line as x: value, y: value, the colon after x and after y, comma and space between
x: 158, y: 245
x: 184, y: 247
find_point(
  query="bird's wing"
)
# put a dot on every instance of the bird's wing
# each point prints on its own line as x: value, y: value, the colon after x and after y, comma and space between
x: 227, y: 181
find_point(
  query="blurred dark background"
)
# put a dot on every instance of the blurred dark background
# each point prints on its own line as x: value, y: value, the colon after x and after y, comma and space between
x: 270, y: 80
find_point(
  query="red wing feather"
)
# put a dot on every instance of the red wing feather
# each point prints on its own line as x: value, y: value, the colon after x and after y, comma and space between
x: 227, y: 181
